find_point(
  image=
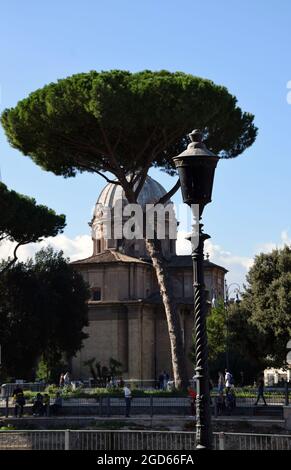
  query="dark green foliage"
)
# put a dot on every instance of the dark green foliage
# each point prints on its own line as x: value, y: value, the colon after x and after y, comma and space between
x: 103, y: 121
x: 101, y: 374
x: 115, y: 367
x: 260, y: 325
x: 216, y: 330
x: 50, y: 374
x: 231, y: 329
x: 23, y: 221
x: 123, y: 122
x: 43, y: 312
x: 268, y: 301
x: 19, y: 322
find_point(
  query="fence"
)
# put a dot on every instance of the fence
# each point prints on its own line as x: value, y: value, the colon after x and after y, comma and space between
x: 107, y: 406
x: 8, y: 389
x: 136, y: 440
x: 150, y: 406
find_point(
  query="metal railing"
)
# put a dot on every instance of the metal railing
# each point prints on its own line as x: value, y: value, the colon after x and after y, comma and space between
x: 136, y: 440
x: 8, y: 389
x: 151, y: 405
x: 247, y: 441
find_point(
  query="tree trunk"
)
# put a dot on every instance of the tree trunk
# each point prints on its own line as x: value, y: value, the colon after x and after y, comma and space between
x: 174, y: 326
x: 166, y: 289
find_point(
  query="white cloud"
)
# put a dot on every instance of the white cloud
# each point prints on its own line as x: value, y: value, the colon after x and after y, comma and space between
x: 81, y: 247
x: 73, y: 248
x: 183, y: 246
x: 269, y: 246
x: 236, y: 264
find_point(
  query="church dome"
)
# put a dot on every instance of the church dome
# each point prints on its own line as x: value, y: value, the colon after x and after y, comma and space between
x: 151, y: 192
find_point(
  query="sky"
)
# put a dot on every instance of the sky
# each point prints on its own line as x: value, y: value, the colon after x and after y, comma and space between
x: 244, y: 46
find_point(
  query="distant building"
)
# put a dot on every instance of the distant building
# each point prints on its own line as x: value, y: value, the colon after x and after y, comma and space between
x: 276, y: 376
x: 126, y: 315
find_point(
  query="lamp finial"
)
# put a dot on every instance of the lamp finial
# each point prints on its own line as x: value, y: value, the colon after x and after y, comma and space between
x: 196, y: 135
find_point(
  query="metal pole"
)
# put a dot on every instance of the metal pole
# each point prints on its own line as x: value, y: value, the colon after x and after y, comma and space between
x: 203, y: 415
x: 226, y: 322
x: 67, y: 439
x: 287, y: 393
x: 227, y: 355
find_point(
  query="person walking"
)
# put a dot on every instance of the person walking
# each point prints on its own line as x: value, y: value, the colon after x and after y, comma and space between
x: 127, y: 397
x: 261, y: 386
x: 166, y: 380
x: 228, y: 380
x: 67, y: 379
x: 161, y: 381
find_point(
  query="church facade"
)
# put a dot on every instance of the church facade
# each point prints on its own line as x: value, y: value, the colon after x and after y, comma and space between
x: 127, y: 320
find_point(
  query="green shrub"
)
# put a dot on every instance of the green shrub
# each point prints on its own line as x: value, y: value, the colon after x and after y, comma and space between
x: 9, y: 427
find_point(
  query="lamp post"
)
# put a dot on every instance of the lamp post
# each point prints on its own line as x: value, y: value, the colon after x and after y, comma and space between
x: 196, y: 168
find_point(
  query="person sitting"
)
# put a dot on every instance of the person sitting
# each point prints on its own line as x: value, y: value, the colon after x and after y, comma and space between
x: 19, y: 400
x: 38, y: 408
x: 58, y: 403
x: 46, y: 404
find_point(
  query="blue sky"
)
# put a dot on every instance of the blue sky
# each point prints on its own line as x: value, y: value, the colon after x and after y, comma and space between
x: 242, y: 45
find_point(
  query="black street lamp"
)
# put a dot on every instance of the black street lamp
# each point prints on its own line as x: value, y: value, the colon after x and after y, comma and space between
x: 196, y: 168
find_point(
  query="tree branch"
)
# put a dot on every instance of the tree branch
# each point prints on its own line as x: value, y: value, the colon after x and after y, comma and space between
x: 2, y: 237
x: 15, y: 257
x: 142, y: 177
x: 169, y: 194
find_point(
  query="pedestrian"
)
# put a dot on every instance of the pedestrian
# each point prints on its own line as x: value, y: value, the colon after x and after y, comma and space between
x: 221, y: 382
x: 261, y: 385
x: 127, y: 397
x: 19, y: 400
x: 228, y: 380
x: 67, y: 379
x: 165, y: 380
x: 161, y: 381
x: 61, y: 381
